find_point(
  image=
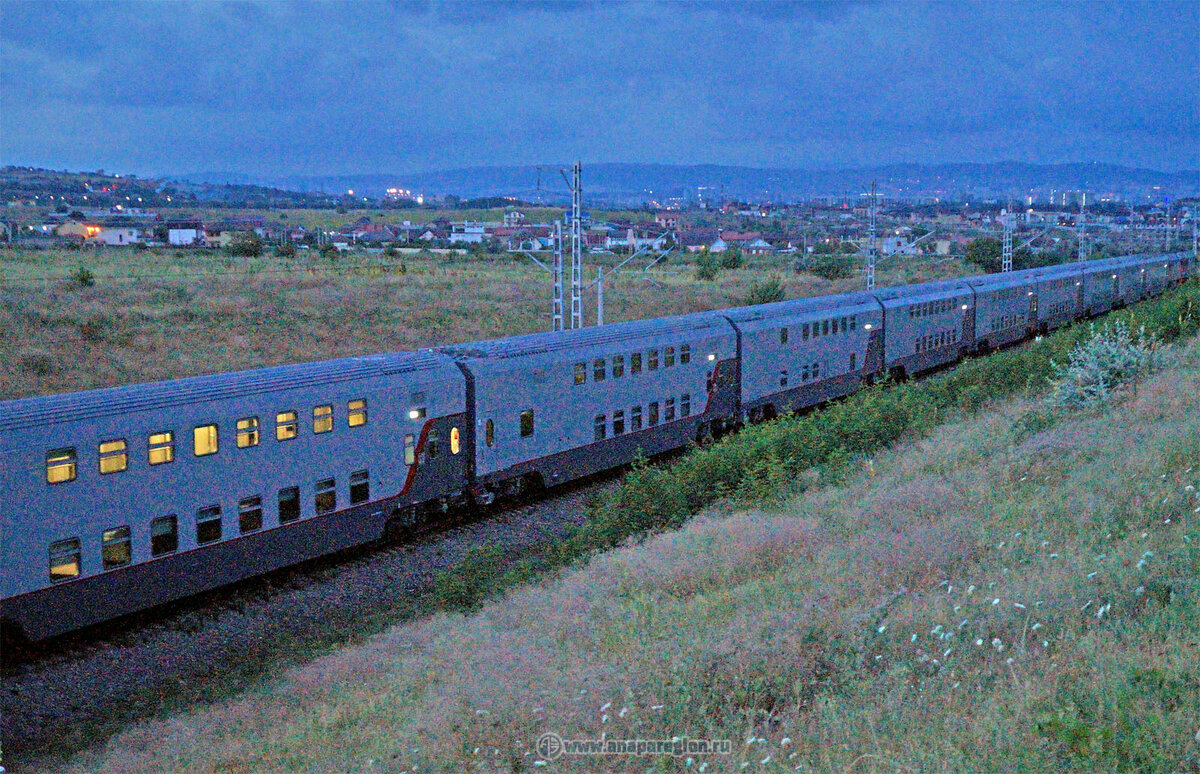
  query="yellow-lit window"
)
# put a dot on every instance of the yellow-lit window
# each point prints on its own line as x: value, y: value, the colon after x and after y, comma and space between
x: 286, y: 425
x: 247, y: 432
x: 455, y: 443
x: 322, y: 419
x: 580, y: 373
x: 60, y: 465
x: 115, y: 550
x: 65, y: 559
x: 162, y: 447
x: 113, y: 456
x: 204, y: 440
x: 357, y: 412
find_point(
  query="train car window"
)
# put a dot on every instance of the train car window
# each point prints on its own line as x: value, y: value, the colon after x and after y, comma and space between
x: 824, y: 327
x: 618, y: 368
x: 601, y: 426
x: 598, y: 370
x: 853, y: 322
x: 322, y: 418
x: 247, y: 432
x: 844, y: 328
x: 114, y: 456
x: 685, y: 405
x: 783, y: 335
x: 581, y: 373
x: 455, y: 441
x: 816, y: 370
x: 685, y: 353
x: 208, y: 524
x: 410, y: 448
x: 326, y: 496
x: 489, y: 433
x: 286, y: 426
x: 115, y: 547
x: 250, y: 514
x: 669, y: 410
x: 618, y: 423
x: 164, y: 535
x: 356, y: 413
x: 204, y: 440
x: 853, y: 359
x: 289, y: 504
x: 66, y: 559
x: 418, y: 398
x: 635, y: 363
x: 60, y: 465
x: 527, y: 422
x: 804, y: 374
x: 783, y: 378
x: 668, y: 357
x: 816, y: 330
x: 360, y: 486
x: 652, y: 360
x: 652, y: 414
x: 162, y: 447
x: 833, y: 329
x: 635, y: 418
x: 804, y: 332
x: 433, y: 444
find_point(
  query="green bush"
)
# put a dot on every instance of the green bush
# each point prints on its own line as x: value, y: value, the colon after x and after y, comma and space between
x: 768, y: 291
x: 83, y: 277
x: 1112, y: 357
x: 708, y: 266
x: 831, y: 267
x: 732, y: 258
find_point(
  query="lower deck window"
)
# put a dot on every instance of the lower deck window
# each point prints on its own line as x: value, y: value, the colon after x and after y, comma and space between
x: 115, y: 547
x: 652, y: 414
x: 618, y: 422
x: 635, y: 418
x: 669, y: 410
x: 66, y: 559
x: 164, y: 535
x: 601, y: 426
x: 326, y: 499
x: 250, y: 515
x: 208, y: 524
x: 289, y: 504
x: 685, y: 405
x: 410, y: 448
x: 433, y: 444
x: 360, y: 487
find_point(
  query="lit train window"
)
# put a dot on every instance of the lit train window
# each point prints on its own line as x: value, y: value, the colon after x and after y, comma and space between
x: 356, y: 412
x: 490, y: 432
x: 66, y: 559
x: 326, y: 496
x: 289, y: 504
x: 164, y: 535
x: 685, y: 352
x: 618, y: 369
x: 455, y: 441
x: 668, y: 357
x: 250, y: 514
x: 113, y: 456
x: 601, y: 427
x: 360, y: 486
x: 208, y: 524
x: 162, y: 447
x: 410, y: 448
x: 247, y: 432
x: 286, y: 426
x: 527, y: 417
x: 580, y: 373
x: 204, y: 440
x: 60, y: 465
x: 635, y: 363
x: 115, y: 547
x: 322, y: 419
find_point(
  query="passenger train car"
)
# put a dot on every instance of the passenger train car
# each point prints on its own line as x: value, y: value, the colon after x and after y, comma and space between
x: 117, y: 500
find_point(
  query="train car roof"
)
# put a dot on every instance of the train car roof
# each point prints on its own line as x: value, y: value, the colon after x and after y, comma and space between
x: 583, y: 339
x: 74, y: 406
x: 850, y: 302
x: 935, y: 289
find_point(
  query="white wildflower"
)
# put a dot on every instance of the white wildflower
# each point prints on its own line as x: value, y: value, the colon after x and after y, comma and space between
x: 882, y: 629
x: 606, y: 706
x: 1093, y: 574
x: 1018, y: 605
x: 621, y: 714
x: 1053, y: 556
x: 979, y: 642
x: 1035, y: 627
x: 784, y: 742
x: 995, y: 601
x: 765, y: 760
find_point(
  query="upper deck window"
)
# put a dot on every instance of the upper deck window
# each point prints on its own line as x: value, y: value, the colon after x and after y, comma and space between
x: 162, y: 447
x: 60, y: 465
x: 581, y: 373
x: 247, y: 432
x: 356, y: 412
x: 204, y: 440
x: 286, y: 426
x: 113, y: 456
x: 685, y: 353
x: 323, y: 419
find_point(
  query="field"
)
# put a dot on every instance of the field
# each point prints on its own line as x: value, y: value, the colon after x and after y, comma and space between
x: 1013, y: 589
x: 163, y: 314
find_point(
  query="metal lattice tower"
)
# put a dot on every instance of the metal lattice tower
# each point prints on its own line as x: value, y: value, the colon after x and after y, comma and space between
x: 1006, y: 219
x: 873, y: 247
x: 556, y: 311
x: 1195, y: 237
x: 1083, y: 249
x: 576, y: 249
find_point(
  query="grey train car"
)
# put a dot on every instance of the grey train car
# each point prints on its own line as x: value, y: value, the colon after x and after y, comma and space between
x: 120, y: 499
x: 1059, y: 296
x: 547, y: 408
x: 1111, y: 283
x: 927, y: 325
x: 796, y: 354
x: 1006, y: 308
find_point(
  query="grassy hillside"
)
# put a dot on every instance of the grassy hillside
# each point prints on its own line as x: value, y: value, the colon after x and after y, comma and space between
x: 163, y: 314
x: 1007, y: 588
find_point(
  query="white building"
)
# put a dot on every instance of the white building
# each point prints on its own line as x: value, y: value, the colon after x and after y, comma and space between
x: 185, y: 236
x: 118, y: 235
x: 467, y: 232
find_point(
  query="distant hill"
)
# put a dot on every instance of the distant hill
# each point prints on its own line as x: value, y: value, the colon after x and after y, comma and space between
x: 645, y: 182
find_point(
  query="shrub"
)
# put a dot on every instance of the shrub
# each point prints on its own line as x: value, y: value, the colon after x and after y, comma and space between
x: 1110, y: 358
x: 708, y: 267
x: 83, y: 277
x: 732, y: 258
x: 831, y: 267
x: 246, y: 246
x: 285, y: 250
x: 768, y: 291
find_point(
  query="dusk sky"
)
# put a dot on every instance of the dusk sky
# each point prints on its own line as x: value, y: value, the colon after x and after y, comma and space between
x: 277, y: 87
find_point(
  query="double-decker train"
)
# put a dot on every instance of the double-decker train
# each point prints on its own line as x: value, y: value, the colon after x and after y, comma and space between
x: 117, y: 500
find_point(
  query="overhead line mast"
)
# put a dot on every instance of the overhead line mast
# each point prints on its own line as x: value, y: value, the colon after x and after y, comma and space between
x: 1006, y: 219
x: 874, y: 243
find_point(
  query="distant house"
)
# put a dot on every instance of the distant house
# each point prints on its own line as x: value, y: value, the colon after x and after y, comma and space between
x: 467, y: 233
x: 667, y: 219
x: 697, y: 239
x: 514, y: 218
x: 118, y: 235
x: 77, y: 230
x: 758, y: 246
x: 185, y: 233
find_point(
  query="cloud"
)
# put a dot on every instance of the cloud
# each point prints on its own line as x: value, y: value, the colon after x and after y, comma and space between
x: 326, y: 88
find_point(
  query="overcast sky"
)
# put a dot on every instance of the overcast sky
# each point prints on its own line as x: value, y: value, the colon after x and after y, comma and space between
x: 330, y: 88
